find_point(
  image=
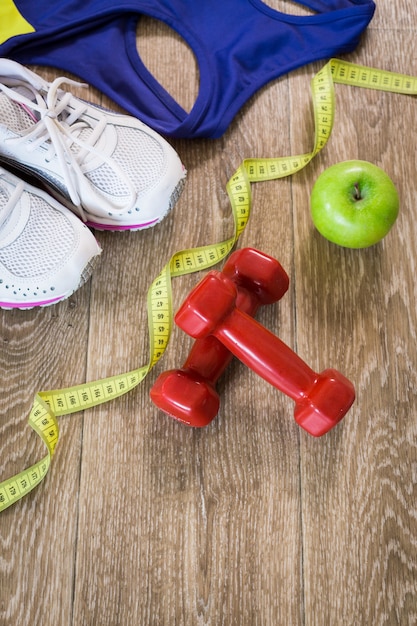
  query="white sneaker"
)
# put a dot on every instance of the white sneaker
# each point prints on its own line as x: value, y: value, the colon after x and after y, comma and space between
x: 111, y: 169
x: 46, y: 252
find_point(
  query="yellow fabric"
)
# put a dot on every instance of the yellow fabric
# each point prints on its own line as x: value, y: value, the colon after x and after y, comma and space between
x: 12, y: 23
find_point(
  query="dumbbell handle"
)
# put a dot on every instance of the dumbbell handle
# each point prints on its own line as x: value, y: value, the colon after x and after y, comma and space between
x: 265, y: 354
x: 321, y: 400
x: 209, y: 357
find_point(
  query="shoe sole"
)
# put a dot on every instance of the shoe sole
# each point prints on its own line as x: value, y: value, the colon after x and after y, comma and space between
x: 24, y: 306
x: 143, y: 225
x: 35, y: 178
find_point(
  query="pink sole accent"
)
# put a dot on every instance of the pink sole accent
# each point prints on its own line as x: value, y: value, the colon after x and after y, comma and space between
x: 29, y: 305
x: 99, y: 226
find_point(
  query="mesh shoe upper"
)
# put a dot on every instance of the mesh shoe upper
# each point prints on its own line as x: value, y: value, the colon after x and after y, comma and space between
x: 46, y: 252
x: 116, y: 172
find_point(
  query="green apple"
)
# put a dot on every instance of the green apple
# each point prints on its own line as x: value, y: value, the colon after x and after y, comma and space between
x: 354, y: 204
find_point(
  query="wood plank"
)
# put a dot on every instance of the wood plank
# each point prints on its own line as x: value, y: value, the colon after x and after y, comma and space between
x: 354, y: 309
x: 195, y: 531
x: 249, y: 521
x: 41, y: 349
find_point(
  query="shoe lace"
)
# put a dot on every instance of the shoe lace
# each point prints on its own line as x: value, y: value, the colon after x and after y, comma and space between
x: 60, y: 125
x: 7, y: 209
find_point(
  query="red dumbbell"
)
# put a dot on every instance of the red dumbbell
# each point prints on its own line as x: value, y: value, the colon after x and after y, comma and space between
x: 188, y: 394
x: 321, y: 400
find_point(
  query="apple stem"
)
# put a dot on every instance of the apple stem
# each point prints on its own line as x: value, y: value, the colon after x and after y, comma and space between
x: 357, y: 192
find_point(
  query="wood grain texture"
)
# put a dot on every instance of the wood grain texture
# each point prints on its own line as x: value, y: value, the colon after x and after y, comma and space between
x: 250, y: 521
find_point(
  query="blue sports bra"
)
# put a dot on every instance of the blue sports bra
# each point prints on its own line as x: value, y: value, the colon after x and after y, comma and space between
x: 239, y: 45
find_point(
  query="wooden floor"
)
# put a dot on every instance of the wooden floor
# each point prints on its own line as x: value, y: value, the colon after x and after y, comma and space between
x: 249, y: 521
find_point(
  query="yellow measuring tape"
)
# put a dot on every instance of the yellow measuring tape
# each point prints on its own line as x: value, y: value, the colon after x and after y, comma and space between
x: 48, y: 405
